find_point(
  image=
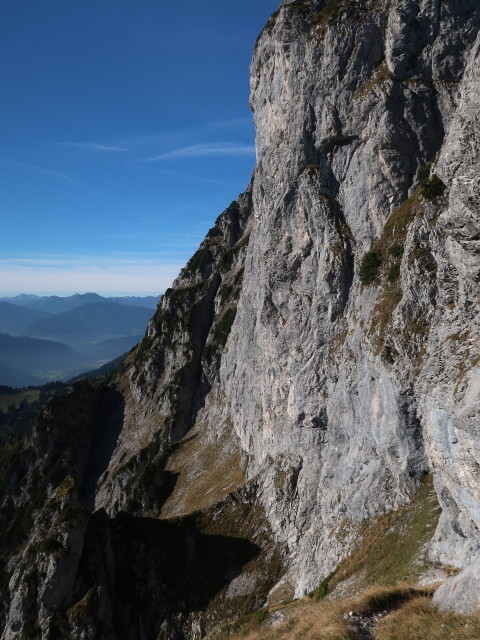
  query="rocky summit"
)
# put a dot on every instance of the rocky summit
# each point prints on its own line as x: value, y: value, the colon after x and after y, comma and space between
x: 313, y: 367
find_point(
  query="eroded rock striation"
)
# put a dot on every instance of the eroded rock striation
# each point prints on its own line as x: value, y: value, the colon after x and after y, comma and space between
x: 316, y: 357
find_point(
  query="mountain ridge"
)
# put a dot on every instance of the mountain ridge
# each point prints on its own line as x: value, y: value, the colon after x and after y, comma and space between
x: 56, y: 304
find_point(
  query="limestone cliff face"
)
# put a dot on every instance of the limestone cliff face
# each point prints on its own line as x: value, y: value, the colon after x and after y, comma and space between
x: 359, y: 389
x: 320, y: 352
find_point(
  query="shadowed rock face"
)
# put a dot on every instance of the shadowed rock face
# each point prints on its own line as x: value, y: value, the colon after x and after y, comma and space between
x: 317, y: 355
x: 72, y: 573
x: 137, y: 566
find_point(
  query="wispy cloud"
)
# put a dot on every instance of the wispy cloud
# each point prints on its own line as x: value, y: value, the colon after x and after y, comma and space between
x: 192, y: 178
x: 91, y: 146
x: 212, y: 149
x: 199, y: 130
x: 48, y: 172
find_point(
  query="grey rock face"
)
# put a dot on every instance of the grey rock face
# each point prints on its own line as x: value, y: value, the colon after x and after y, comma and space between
x: 341, y: 395
x: 337, y: 393
x: 452, y: 414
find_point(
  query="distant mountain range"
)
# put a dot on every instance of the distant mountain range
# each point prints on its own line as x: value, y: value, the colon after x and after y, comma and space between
x: 90, y: 323
x: 52, y: 337
x: 57, y: 304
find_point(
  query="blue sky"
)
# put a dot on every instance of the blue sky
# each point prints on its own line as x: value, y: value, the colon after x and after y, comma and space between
x: 124, y: 132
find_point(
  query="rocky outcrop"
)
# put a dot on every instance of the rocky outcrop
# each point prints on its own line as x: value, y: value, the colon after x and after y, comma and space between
x: 315, y: 358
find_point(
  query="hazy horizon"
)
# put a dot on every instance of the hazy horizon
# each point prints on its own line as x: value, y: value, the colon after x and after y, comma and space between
x: 66, y: 294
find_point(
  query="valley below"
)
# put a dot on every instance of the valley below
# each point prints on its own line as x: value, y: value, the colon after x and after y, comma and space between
x: 43, y: 339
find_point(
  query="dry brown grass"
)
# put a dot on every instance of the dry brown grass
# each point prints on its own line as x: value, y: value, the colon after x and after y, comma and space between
x: 325, y: 620
x: 419, y: 620
x: 383, y: 572
x: 396, y: 226
x: 207, y: 472
x: 301, y: 620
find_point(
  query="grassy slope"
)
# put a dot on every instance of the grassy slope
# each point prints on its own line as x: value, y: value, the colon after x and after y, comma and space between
x: 394, y: 547
x: 379, y: 576
x: 30, y: 395
x: 418, y: 619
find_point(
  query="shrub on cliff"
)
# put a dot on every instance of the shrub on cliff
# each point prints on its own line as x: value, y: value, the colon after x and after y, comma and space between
x: 432, y: 187
x: 369, y: 266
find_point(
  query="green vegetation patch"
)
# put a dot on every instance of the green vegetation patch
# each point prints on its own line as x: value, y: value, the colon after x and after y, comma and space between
x: 369, y: 267
x: 330, y: 13
x: 395, y: 229
x: 31, y: 631
x: 20, y: 408
x: 322, y: 590
x: 423, y: 172
x: 49, y: 545
x: 396, y: 250
x: 390, y: 246
x: 248, y: 622
x: 226, y: 261
x: 230, y: 292
x: 431, y: 186
x: 174, y: 316
x: 144, y: 472
x: 81, y: 608
x: 391, y: 242
x: 200, y: 259
x: 422, y: 255
x: 270, y: 24
x: 24, y: 396
x: 220, y: 334
x: 393, y: 272
x: 224, y: 326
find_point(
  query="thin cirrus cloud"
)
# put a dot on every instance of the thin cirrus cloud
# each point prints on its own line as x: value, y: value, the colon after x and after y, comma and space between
x: 193, y: 178
x: 91, y: 146
x: 202, y: 130
x: 48, y: 172
x: 214, y: 149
